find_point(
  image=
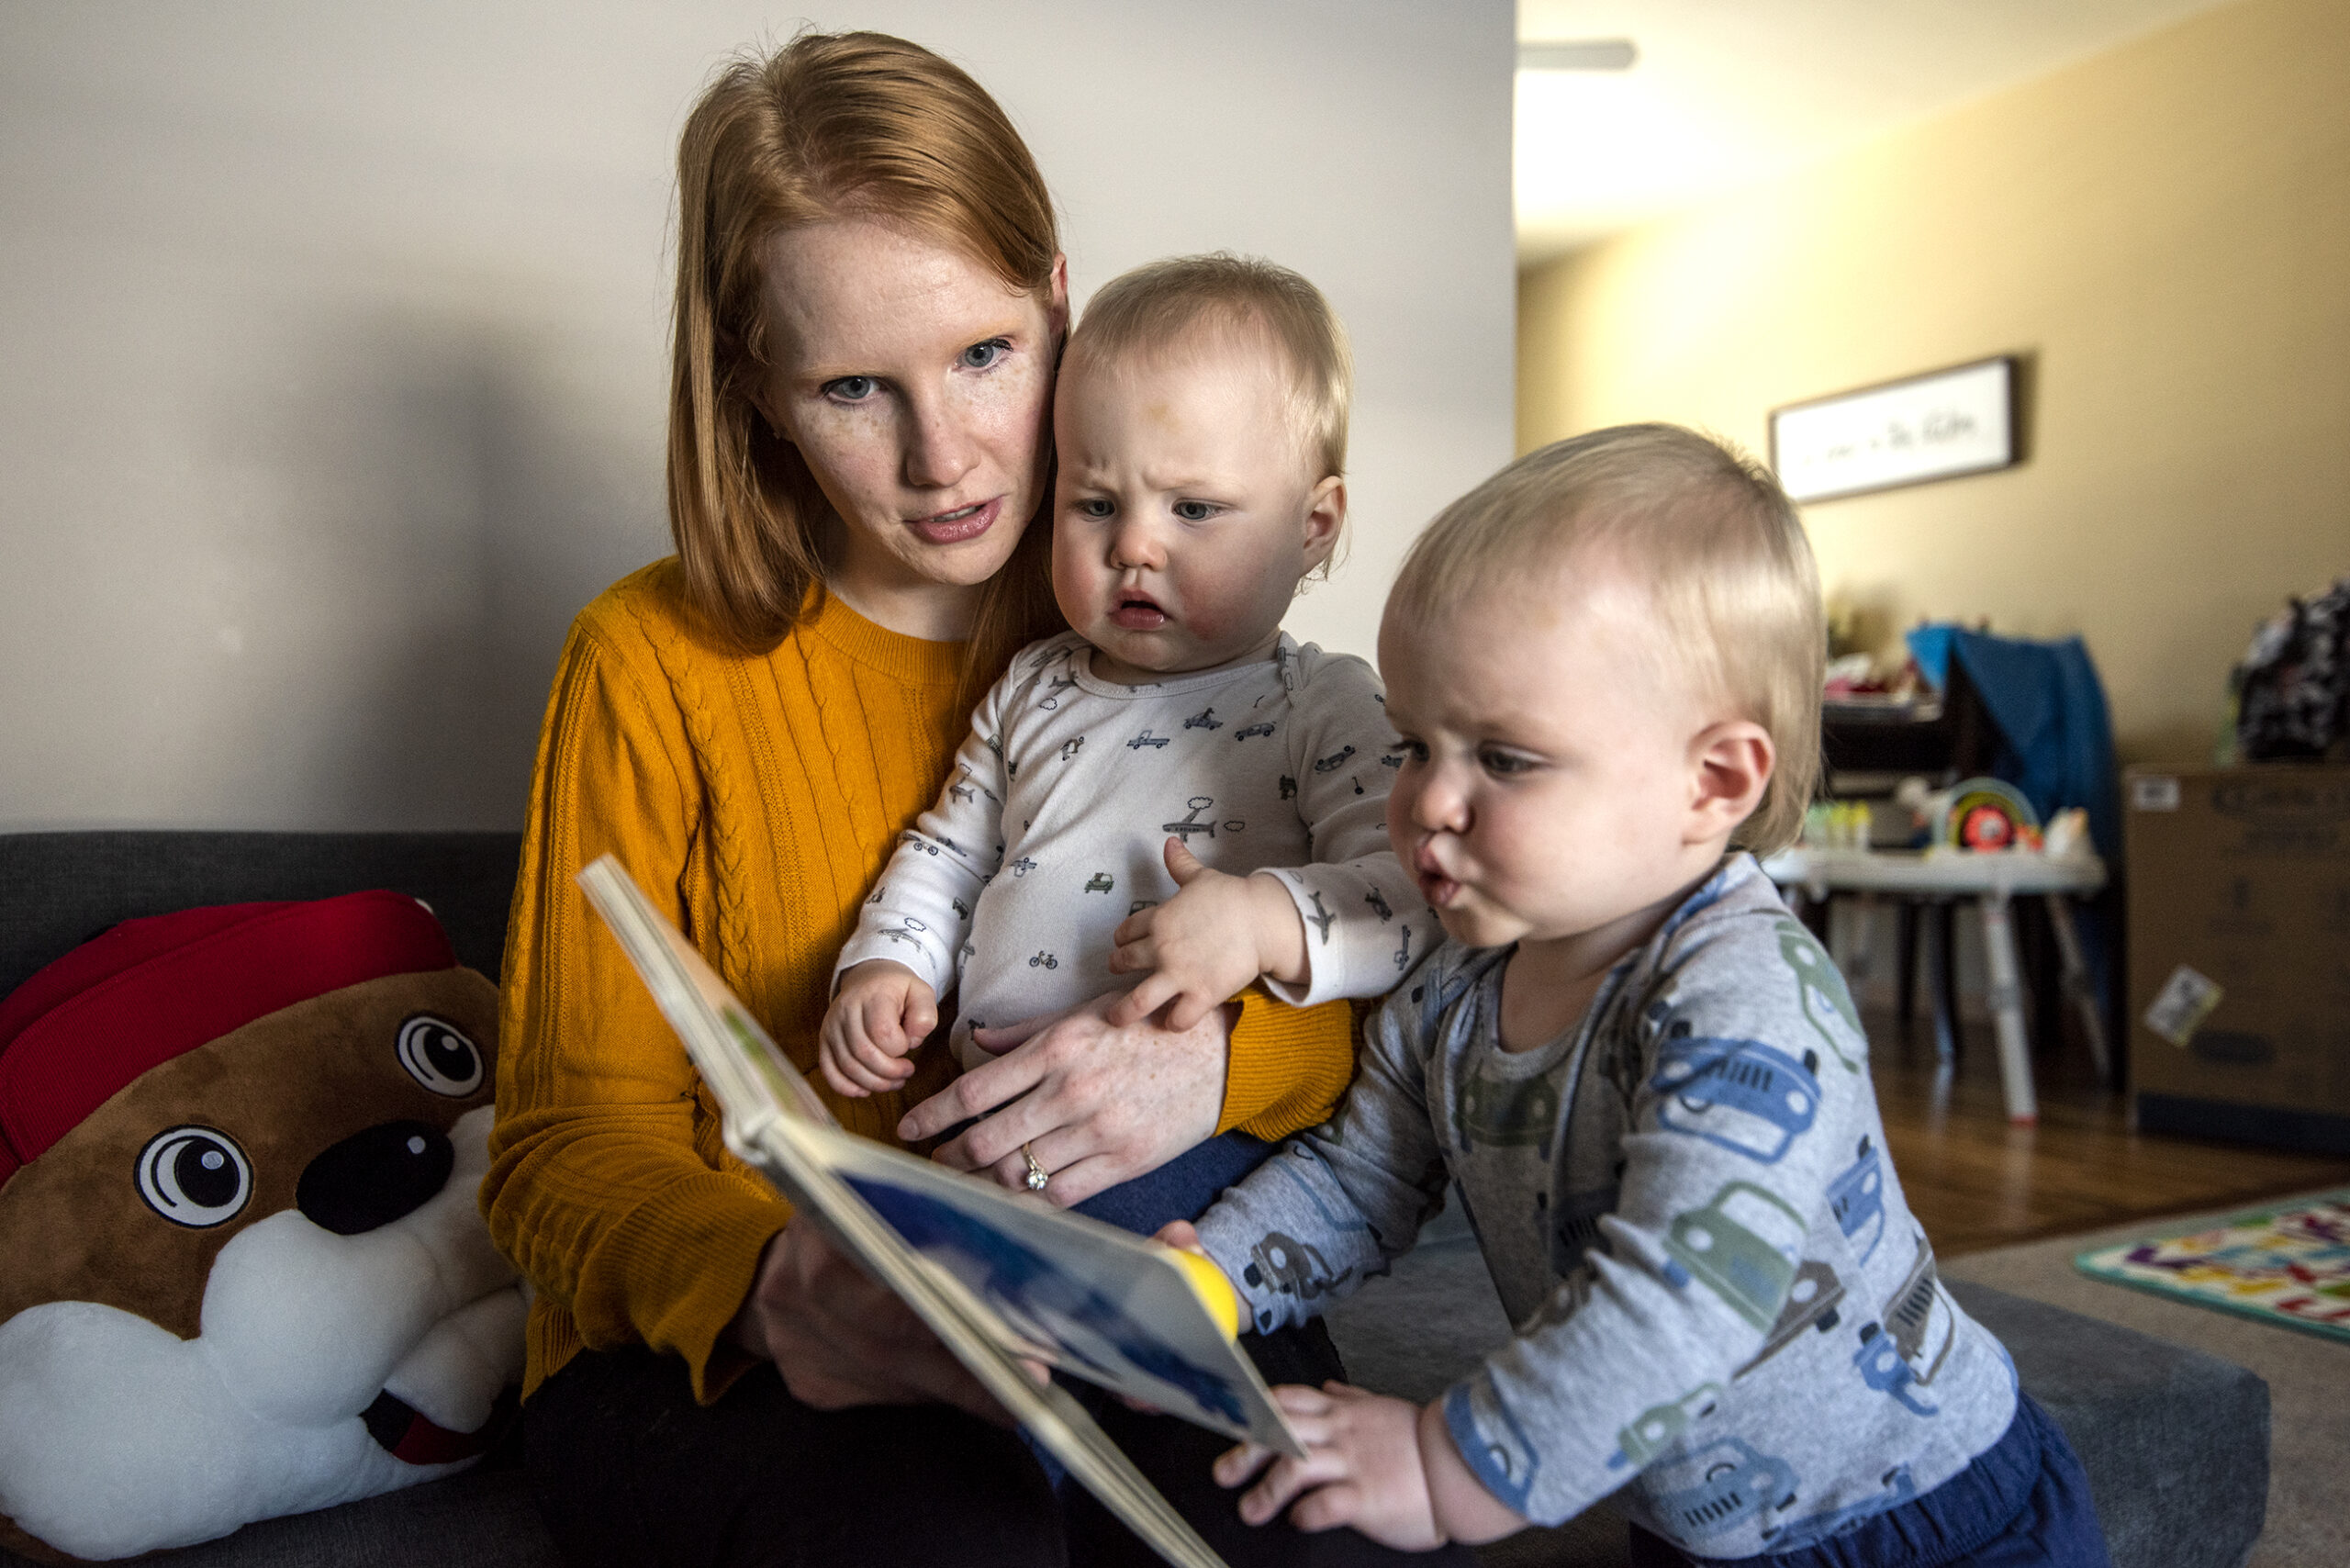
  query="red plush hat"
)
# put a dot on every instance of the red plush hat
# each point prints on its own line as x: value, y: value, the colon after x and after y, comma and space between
x: 246, y: 1272
x: 150, y: 990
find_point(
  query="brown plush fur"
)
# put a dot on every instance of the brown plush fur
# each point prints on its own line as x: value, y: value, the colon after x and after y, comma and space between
x: 285, y: 1087
x: 72, y: 1225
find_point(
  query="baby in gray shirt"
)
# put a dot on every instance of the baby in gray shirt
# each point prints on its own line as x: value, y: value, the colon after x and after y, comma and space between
x: 1645, y: 1080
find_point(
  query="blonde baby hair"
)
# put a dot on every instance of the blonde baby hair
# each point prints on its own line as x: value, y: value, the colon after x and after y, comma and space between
x: 1715, y: 541
x: 1160, y: 305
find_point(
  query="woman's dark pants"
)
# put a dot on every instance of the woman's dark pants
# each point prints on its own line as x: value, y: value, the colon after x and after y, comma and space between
x: 627, y: 1470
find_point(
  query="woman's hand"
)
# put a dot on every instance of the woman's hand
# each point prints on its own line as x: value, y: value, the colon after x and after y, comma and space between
x: 840, y: 1340
x: 1095, y: 1104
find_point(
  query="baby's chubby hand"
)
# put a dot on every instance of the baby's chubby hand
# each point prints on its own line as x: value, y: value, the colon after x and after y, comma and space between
x: 881, y: 1011
x: 1363, y: 1467
x: 1385, y: 1466
x: 1215, y: 936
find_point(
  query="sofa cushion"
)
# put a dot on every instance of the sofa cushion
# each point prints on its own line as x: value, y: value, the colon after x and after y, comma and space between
x: 2175, y: 1441
x: 483, y: 1519
x: 59, y: 890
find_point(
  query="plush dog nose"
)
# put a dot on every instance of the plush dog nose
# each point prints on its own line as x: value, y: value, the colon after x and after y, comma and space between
x: 374, y: 1176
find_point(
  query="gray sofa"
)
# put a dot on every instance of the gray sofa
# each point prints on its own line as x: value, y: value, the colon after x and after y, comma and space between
x: 2175, y: 1442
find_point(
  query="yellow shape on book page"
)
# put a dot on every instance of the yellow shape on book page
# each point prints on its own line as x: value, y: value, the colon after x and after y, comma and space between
x: 1215, y: 1291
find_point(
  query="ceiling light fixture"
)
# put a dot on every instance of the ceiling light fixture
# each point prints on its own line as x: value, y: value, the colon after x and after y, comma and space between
x: 1578, y: 54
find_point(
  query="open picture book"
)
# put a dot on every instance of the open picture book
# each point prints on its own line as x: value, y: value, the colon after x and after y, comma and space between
x: 1002, y: 1278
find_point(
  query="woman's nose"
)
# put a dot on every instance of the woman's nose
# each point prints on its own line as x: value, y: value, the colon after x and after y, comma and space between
x: 939, y: 451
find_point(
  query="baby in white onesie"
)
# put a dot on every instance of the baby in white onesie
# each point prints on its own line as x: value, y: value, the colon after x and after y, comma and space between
x: 1174, y: 788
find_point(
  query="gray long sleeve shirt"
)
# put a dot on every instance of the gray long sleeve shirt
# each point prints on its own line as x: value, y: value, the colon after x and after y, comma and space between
x: 1720, y: 1296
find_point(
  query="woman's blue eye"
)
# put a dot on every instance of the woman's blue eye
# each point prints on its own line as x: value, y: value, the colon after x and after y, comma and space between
x: 850, y: 388
x: 979, y: 356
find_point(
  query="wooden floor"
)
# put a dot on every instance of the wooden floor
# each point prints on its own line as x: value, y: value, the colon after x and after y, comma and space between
x: 1975, y: 1183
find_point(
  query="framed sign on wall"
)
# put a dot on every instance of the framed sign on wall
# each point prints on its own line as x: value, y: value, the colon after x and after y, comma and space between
x: 1935, y: 426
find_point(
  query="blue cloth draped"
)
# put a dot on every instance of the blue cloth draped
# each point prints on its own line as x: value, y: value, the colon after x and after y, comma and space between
x: 2055, y: 741
x: 2049, y: 707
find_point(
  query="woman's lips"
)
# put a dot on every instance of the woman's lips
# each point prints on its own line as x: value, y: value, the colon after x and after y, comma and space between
x: 962, y: 523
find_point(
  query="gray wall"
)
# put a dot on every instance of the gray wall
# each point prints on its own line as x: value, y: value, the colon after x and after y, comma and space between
x: 334, y: 339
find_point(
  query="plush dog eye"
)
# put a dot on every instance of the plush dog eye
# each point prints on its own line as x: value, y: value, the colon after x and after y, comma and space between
x: 438, y: 1054
x: 194, y: 1176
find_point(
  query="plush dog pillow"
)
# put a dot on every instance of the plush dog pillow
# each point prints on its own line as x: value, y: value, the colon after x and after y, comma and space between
x: 245, y: 1274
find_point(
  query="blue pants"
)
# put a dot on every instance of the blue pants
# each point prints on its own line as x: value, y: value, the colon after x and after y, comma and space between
x: 2023, y: 1501
x: 1181, y: 1189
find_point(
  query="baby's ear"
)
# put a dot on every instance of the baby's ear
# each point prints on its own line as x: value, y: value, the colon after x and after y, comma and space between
x: 1731, y: 766
x: 1325, y: 517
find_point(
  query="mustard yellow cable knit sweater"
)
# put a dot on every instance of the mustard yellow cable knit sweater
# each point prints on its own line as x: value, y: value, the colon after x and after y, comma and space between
x: 754, y: 798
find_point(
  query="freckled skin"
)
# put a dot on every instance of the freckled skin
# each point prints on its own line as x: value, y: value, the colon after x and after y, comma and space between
x: 916, y: 385
x: 1182, y: 481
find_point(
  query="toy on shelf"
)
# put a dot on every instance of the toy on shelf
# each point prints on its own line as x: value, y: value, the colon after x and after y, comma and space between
x: 1984, y: 814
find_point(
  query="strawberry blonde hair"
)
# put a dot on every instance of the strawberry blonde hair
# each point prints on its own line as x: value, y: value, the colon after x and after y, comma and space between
x: 830, y: 125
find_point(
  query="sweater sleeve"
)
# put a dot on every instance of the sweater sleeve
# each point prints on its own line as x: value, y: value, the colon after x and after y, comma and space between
x: 1287, y: 1067
x: 606, y: 1189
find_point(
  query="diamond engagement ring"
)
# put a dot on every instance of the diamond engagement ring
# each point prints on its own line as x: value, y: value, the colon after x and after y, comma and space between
x: 1037, y: 1174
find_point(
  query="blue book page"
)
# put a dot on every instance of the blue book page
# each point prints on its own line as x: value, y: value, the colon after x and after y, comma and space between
x: 1085, y: 1297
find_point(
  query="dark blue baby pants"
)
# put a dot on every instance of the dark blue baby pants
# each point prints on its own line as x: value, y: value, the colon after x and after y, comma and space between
x: 2022, y: 1503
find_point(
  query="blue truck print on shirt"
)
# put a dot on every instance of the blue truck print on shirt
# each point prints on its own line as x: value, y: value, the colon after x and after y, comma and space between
x: 1741, y: 1096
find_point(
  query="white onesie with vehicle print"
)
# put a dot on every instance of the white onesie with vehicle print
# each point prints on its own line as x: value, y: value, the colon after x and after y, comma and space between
x: 1050, y: 831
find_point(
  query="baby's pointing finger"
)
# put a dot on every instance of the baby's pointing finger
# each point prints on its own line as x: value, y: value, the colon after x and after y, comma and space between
x: 1142, y: 1001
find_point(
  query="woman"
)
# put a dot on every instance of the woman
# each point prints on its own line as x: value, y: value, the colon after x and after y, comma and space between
x: 871, y: 302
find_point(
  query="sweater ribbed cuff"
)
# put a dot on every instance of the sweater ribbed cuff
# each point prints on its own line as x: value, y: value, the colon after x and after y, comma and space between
x: 1288, y: 1065
x: 700, y: 1238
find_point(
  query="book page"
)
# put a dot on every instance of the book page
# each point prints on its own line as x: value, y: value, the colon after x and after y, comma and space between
x: 1001, y: 1279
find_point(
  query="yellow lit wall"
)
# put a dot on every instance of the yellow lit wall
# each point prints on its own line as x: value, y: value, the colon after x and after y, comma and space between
x: 2164, y: 229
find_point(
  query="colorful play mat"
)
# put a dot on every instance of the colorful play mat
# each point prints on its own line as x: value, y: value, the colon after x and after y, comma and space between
x: 2288, y: 1265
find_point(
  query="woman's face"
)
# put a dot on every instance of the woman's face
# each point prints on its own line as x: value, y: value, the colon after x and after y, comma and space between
x: 918, y: 388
